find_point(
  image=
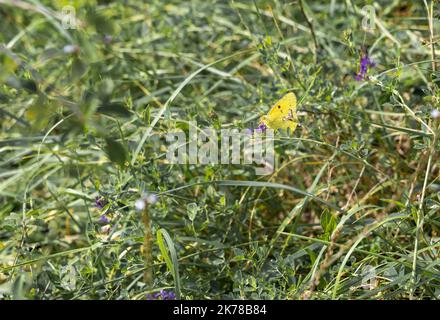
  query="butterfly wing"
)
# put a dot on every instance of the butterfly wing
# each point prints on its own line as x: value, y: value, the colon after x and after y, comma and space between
x: 283, y: 114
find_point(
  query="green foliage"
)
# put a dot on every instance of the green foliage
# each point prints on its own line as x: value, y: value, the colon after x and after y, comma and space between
x: 83, y: 116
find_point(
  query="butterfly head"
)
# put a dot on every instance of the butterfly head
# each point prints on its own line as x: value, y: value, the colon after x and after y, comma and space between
x: 264, y: 119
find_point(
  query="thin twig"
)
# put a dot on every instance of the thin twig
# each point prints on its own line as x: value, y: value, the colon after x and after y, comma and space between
x: 147, y: 247
x: 312, y: 30
x: 431, y: 33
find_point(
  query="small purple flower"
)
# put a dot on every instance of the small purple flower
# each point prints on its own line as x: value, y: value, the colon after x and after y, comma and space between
x: 100, y: 202
x: 108, y: 39
x: 162, y: 295
x: 151, y: 296
x: 171, y: 296
x: 103, y: 219
x: 261, y: 128
x: 365, y: 63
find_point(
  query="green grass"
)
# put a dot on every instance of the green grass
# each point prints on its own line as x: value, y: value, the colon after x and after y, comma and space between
x: 350, y: 212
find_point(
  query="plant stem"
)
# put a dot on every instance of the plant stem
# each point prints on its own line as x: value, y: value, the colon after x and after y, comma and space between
x: 147, y: 248
x: 430, y: 10
x: 312, y: 30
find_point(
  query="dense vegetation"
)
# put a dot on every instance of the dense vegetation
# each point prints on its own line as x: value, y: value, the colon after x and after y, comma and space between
x: 351, y: 210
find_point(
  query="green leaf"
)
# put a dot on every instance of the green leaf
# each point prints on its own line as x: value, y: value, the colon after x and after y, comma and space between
x: 116, y: 151
x: 39, y: 112
x: 18, y: 83
x: 18, y: 287
x: 79, y: 69
x: 115, y: 108
x: 105, y: 88
x: 7, y: 66
x: 191, y: 210
x: 170, y: 259
x: 328, y: 223
x: 102, y: 23
x: 29, y: 85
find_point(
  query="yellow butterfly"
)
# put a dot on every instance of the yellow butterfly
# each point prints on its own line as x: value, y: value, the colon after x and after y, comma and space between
x: 282, y: 115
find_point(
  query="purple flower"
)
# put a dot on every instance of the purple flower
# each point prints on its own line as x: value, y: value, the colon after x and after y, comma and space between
x: 171, y: 296
x: 103, y: 219
x: 153, y: 296
x: 161, y: 295
x: 100, y: 202
x: 261, y: 128
x: 108, y: 39
x: 365, y: 63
